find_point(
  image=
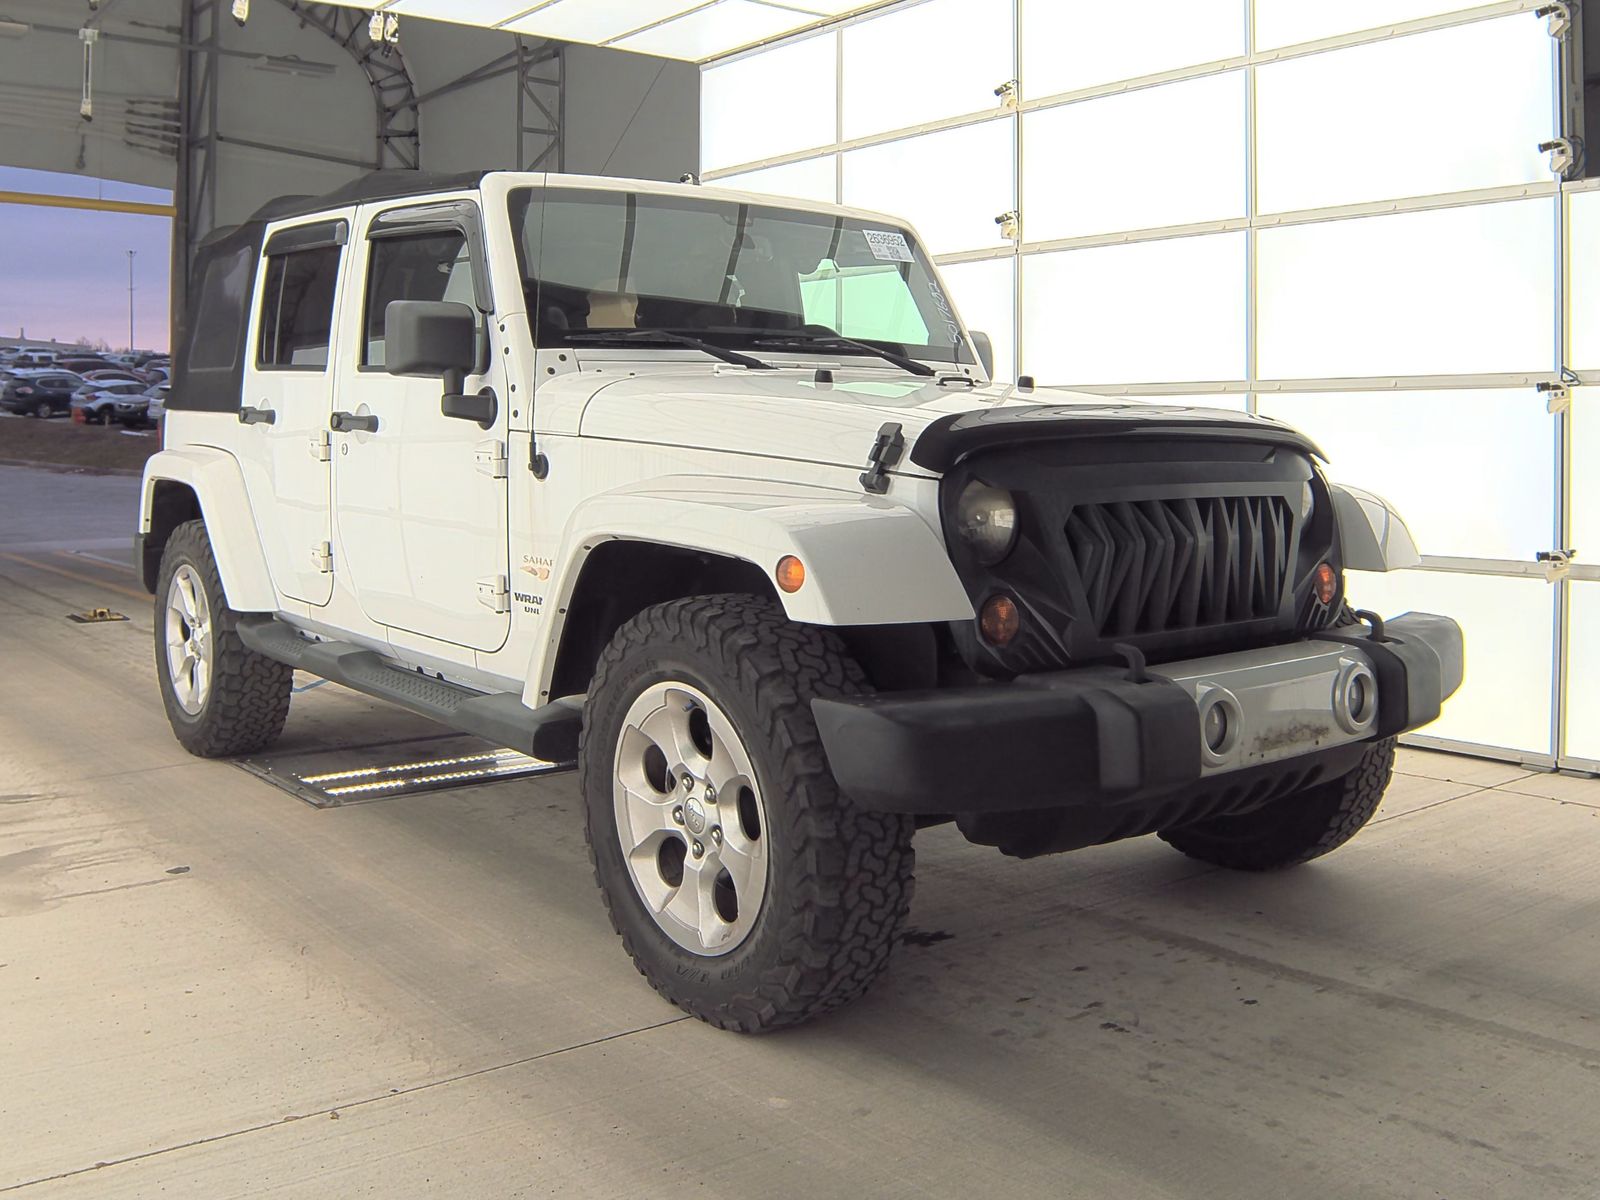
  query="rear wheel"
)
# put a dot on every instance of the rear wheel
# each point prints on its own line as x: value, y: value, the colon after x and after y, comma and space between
x: 222, y: 698
x: 1296, y: 828
x: 747, y: 889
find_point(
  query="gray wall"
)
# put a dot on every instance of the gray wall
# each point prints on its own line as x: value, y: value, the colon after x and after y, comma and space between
x: 628, y: 114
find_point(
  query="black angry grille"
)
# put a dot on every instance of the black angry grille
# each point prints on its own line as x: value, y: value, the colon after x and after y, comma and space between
x: 1153, y: 566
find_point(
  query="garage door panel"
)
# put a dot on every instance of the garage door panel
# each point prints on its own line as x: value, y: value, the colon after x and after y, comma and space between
x: 1583, y: 267
x: 1508, y: 625
x: 934, y: 60
x: 1169, y: 311
x: 1077, y: 180
x: 1452, y: 110
x: 950, y: 184
x: 1454, y: 291
x: 1068, y: 45
x: 1472, y: 472
x: 813, y: 179
x: 770, y: 104
x: 1583, y: 672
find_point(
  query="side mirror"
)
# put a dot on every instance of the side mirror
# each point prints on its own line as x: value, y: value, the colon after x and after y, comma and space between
x: 438, y: 337
x: 985, y: 347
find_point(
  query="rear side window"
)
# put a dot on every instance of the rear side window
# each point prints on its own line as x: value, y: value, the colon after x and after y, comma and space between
x: 220, y: 311
x: 297, y: 310
x: 422, y: 266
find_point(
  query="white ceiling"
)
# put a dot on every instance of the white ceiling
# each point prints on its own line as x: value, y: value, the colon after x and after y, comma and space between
x: 695, y: 30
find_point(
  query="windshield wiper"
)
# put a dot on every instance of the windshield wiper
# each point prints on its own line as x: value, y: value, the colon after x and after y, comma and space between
x: 833, y: 339
x: 667, y: 335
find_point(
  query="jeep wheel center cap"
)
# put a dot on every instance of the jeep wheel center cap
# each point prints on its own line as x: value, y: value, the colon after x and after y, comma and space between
x: 694, y: 815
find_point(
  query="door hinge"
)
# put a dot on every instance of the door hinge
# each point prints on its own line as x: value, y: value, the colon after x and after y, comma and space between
x: 321, y: 445
x: 490, y: 458
x: 322, y: 557
x: 886, y: 450
x: 494, y: 594
x: 1557, y: 564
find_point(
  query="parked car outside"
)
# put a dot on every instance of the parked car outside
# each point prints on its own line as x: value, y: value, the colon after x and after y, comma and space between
x: 96, y: 403
x: 112, y: 374
x: 141, y: 409
x: 84, y: 363
x: 46, y: 394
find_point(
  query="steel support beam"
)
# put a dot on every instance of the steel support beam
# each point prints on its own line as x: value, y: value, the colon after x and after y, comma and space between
x: 540, y: 98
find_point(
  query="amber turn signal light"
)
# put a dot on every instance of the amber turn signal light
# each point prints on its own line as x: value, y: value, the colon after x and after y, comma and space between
x: 999, y: 620
x: 791, y: 573
x: 1326, y: 582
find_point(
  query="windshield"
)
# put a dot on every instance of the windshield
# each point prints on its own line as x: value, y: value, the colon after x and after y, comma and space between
x: 731, y: 274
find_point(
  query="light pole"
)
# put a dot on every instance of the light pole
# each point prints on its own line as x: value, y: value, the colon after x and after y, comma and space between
x: 131, y: 253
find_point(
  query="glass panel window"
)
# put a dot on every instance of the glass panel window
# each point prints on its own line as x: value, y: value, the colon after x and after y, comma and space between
x: 814, y: 179
x: 1068, y: 45
x: 769, y: 104
x: 1507, y: 626
x: 222, y: 312
x: 426, y: 266
x: 1583, y: 267
x: 1149, y: 312
x: 629, y: 269
x: 1415, y: 449
x: 297, y: 309
x: 1078, y: 180
x: 1452, y: 291
x: 1586, y: 473
x: 951, y: 185
x: 1289, y: 22
x: 985, y: 295
x: 1583, y: 697
x: 933, y: 60
x: 1476, y: 96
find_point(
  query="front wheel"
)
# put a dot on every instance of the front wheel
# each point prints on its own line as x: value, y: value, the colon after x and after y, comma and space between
x: 746, y: 888
x: 1296, y: 828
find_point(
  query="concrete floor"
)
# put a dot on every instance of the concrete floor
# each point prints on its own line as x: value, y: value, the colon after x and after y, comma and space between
x: 211, y: 989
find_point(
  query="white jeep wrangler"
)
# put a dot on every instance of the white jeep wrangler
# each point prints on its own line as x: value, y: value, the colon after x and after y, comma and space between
x: 714, y: 496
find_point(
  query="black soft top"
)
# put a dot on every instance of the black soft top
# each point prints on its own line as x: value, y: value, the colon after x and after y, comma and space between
x: 208, y: 370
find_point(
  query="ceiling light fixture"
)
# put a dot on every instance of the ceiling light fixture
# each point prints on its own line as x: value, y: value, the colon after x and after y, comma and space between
x: 14, y: 29
x: 241, y: 11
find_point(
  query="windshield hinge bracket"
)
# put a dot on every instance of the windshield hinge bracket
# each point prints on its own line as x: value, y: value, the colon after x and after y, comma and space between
x: 887, y: 448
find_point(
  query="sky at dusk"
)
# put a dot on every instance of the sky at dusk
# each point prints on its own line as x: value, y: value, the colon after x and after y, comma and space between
x: 64, y: 273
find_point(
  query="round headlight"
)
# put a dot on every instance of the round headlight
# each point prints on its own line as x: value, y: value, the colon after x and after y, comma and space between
x: 986, y: 520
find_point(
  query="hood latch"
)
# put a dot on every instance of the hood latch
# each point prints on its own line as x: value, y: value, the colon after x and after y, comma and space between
x: 887, y: 448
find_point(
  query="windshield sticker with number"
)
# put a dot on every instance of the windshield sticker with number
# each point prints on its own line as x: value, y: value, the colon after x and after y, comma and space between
x: 888, y: 245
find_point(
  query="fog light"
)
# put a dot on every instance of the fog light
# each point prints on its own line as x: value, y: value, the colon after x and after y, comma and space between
x: 999, y: 620
x: 1326, y: 581
x: 1216, y: 728
x: 1355, y: 697
x: 791, y: 573
x: 1221, y: 723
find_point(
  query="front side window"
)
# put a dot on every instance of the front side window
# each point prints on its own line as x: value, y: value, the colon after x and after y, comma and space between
x: 297, y: 309
x: 736, y: 274
x: 419, y: 266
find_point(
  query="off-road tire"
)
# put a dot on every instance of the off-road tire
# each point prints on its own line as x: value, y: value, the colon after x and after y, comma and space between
x: 249, y: 696
x: 1295, y: 828
x: 839, y: 879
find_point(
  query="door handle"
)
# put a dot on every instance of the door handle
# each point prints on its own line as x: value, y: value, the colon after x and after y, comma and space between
x: 348, y: 422
x: 257, y: 416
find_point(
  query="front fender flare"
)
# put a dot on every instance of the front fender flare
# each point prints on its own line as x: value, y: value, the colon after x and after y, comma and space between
x: 218, y: 484
x: 1371, y: 533
x: 869, y: 561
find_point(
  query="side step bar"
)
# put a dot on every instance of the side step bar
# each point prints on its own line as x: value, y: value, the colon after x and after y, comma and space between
x: 549, y: 733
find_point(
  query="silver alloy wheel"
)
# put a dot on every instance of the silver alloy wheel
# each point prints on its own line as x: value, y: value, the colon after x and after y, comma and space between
x: 188, y: 626
x: 690, y: 818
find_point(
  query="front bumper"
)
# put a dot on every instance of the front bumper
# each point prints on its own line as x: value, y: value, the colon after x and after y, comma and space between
x: 1093, y: 736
